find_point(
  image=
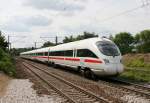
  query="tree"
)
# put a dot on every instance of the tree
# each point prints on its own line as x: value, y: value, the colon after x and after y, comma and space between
x: 17, y: 51
x: 3, y: 43
x: 124, y: 41
x: 86, y: 35
x: 69, y: 39
x: 142, y: 40
x: 48, y: 43
x: 79, y: 37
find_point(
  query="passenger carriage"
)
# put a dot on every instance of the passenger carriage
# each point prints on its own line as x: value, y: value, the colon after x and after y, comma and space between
x: 98, y: 56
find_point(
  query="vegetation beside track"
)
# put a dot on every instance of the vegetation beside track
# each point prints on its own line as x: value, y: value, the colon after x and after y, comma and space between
x: 136, y: 76
x: 137, y: 60
x: 137, y: 67
x: 6, y: 63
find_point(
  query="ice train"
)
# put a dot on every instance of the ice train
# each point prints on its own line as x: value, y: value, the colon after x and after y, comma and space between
x: 94, y: 56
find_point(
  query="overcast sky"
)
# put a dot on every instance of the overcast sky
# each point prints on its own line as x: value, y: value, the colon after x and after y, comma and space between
x: 33, y: 19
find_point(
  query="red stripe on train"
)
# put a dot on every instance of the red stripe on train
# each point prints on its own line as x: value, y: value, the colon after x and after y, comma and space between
x: 92, y: 61
x: 73, y: 59
x: 41, y: 57
x: 60, y: 58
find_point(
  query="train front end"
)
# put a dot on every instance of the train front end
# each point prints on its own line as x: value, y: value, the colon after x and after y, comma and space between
x: 111, y: 56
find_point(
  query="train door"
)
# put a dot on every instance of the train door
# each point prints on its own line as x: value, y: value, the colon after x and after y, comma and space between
x: 48, y: 54
x: 76, y: 60
x: 69, y: 57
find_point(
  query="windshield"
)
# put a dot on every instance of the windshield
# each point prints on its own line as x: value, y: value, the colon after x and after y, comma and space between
x: 108, y: 48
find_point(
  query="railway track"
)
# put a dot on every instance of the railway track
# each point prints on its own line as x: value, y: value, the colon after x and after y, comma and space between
x: 144, y: 90
x: 70, y: 91
x: 128, y: 86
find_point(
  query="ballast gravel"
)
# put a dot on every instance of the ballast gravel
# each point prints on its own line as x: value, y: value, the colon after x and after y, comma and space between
x: 21, y: 91
x: 134, y: 99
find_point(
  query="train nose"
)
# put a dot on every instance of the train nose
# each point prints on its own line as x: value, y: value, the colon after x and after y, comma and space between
x: 113, y: 69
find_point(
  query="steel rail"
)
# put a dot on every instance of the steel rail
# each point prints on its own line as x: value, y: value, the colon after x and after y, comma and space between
x: 75, y: 86
x: 52, y: 86
x: 134, y: 84
x: 127, y: 89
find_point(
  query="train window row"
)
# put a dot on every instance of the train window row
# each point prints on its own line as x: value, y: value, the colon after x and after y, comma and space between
x: 85, y: 53
x: 69, y: 53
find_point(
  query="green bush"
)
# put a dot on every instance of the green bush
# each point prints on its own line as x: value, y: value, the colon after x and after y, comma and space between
x: 136, y: 76
x: 137, y: 63
x: 6, y: 63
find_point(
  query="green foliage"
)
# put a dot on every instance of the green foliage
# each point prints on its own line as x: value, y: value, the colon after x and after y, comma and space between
x: 79, y: 37
x: 124, y: 41
x: 47, y: 44
x: 6, y: 64
x: 143, y: 41
x: 137, y: 67
x: 69, y: 39
x: 136, y: 63
x: 3, y: 43
x: 136, y: 76
x: 17, y: 51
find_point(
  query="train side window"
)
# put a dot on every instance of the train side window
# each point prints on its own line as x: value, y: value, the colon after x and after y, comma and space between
x: 46, y: 53
x: 69, y: 53
x: 61, y: 53
x: 50, y: 54
x: 39, y: 54
x: 85, y: 53
x: 54, y: 53
x: 57, y: 53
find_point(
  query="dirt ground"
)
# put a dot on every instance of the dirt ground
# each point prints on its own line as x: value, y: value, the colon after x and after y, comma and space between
x: 4, y: 82
x: 23, y: 88
x: 23, y: 74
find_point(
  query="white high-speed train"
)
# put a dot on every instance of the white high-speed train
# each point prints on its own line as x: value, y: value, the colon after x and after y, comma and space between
x: 94, y: 56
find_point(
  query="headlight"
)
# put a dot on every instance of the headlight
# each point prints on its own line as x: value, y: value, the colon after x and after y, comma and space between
x: 106, y: 61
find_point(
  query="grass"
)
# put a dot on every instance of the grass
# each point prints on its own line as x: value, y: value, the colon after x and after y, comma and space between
x: 136, y: 76
x: 137, y: 62
x: 136, y: 68
x: 6, y: 64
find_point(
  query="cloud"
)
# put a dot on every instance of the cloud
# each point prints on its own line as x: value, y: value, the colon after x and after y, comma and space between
x: 38, y: 21
x: 25, y: 24
x: 101, y: 30
x: 56, y: 5
x: 15, y: 26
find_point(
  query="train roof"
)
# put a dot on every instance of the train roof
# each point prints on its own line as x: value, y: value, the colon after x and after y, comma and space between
x: 71, y: 45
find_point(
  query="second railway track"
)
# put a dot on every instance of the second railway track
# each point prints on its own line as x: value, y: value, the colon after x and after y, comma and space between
x: 127, y: 86
x: 139, y: 87
x: 70, y: 91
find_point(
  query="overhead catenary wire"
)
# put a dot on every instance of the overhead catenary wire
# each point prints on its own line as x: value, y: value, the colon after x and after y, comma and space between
x: 56, y: 38
x: 144, y: 4
x: 10, y: 43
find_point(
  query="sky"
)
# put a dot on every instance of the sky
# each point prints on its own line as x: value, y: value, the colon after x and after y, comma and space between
x: 28, y: 21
